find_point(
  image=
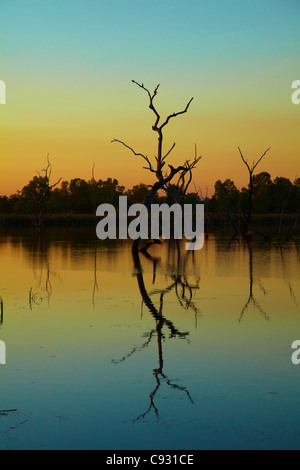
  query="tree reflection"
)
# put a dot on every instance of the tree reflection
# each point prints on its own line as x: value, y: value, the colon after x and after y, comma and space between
x: 160, y: 321
x: 251, y: 299
x: 184, y: 289
x: 184, y: 294
x: 95, y: 284
x: 286, y: 273
x: 41, y: 270
x: 1, y: 311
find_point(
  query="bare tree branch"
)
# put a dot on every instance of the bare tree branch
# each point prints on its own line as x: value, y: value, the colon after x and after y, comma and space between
x: 137, y: 155
x: 151, y: 97
x: 159, y: 129
x: 251, y: 187
x: 176, y: 114
x: 168, y: 153
x: 254, y: 165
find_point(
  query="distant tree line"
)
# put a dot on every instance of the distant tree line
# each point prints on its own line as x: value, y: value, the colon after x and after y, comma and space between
x: 279, y: 196
x: 270, y: 196
x: 79, y: 196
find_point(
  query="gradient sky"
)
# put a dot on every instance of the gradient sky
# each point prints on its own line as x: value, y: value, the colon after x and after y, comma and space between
x: 68, y: 67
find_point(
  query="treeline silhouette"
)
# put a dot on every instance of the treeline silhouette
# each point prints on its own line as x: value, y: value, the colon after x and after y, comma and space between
x: 228, y: 203
x: 79, y: 196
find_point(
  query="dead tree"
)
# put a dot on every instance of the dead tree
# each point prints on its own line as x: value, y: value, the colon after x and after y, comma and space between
x: 38, y: 191
x: 251, y: 191
x: 164, y: 176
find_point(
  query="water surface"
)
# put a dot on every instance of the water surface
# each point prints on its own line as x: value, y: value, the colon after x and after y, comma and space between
x: 186, y: 351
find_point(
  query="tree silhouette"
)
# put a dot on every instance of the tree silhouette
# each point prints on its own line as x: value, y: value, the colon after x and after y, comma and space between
x: 251, y: 188
x: 37, y: 193
x: 158, y: 168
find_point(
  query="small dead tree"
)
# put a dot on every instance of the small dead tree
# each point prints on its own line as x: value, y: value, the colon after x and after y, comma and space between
x: 38, y: 191
x: 164, y: 176
x: 251, y: 191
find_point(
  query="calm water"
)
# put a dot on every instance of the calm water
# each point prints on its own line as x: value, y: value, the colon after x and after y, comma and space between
x: 192, y: 352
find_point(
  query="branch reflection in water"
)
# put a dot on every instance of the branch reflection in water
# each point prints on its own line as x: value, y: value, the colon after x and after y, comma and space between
x: 1, y: 311
x: 251, y: 299
x: 252, y: 281
x: 42, y: 291
x: 184, y: 293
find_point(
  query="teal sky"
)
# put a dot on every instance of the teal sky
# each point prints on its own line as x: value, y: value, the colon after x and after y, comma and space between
x: 94, y: 38
x: 68, y: 64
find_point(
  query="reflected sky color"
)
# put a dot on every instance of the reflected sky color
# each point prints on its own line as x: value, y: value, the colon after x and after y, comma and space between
x: 68, y: 69
x: 88, y: 366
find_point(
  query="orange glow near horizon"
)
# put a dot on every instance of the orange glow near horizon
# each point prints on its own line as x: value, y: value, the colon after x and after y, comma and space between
x: 74, y: 149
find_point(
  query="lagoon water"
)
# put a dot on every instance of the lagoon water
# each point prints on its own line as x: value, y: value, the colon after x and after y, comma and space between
x: 193, y: 351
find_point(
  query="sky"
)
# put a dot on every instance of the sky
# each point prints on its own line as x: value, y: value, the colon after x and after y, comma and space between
x: 68, y: 67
